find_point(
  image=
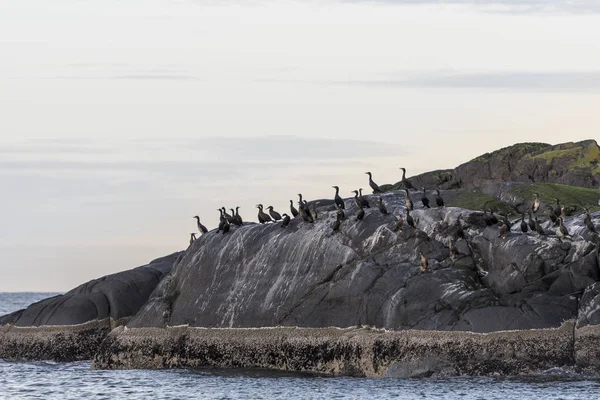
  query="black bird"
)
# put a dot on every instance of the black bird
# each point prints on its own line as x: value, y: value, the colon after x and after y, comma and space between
x: 312, y: 209
x: 460, y: 233
x: 409, y: 219
x: 338, y: 221
x: 399, y: 224
x: 356, y: 199
x: 192, y: 237
x: 228, y: 217
x: 405, y: 181
x: 234, y: 218
x: 225, y: 227
x: 303, y: 212
x: 338, y: 200
x: 531, y: 223
x: 557, y: 208
x: 274, y: 214
x: 487, y: 219
x: 562, y: 229
x: 363, y: 200
x: 222, y: 220
x: 262, y: 216
x: 588, y: 221
x: 438, y: 199
x: 238, y: 216
x: 408, y: 201
x: 552, y: 215
x: 293, y: 209
x: 424, y: 199
x: 361, y: 214
x: 524, y: 227
x: 453, y: 250
x: 300, y: 202
x: 340, y: 213
x: 538, y: 227
x: 381, y: 206
x: 373, y: 185
x: 504, y: 229
x: 286, y: 220
x: 201, y: 227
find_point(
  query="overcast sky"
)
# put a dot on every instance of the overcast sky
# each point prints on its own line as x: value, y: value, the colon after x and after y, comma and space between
x: 120, y: 120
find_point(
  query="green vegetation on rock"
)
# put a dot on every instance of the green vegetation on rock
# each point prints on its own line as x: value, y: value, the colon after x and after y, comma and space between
x: 474, y: 200
x: 573, y: 197
x: 514, y: 150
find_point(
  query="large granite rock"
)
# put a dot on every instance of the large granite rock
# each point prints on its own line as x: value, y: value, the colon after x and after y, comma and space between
x: 117, y: 296
x: 367, y: 274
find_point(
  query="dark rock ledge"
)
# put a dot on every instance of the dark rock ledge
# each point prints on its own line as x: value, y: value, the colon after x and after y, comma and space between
x: 352, y: 351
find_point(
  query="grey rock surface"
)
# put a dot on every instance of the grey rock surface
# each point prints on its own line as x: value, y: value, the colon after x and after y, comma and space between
x: 117, y: 296
x: 367, y: 274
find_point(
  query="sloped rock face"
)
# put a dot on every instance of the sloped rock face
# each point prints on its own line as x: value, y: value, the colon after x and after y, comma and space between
x: 117, y: 296
x: 367, y: 274
x: 576, y: 164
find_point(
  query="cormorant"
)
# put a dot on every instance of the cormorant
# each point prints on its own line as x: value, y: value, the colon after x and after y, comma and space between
x: 192, y: 237
x: 531, y: 223
x: 225, y: 227
x: 201, y: 227
x: 552, y: 215
x: 300, y: 202
x: 453, y: 250
x: 338, y: 220
x: 405, y: 181
x: 286, y: 220
x: 339, y: 202
x: 293, y: 209
x: 262, y: 216
x: 340, y: 213
x: 361, y: 214
x: 222, y: 220
x: 557, y: 208
x: 536, y: 203
x: 460, y: 233
x: 373, y: 185
x: 228, y: 217
x: 424, y: 199
x: 364, y: 201
x: 438, y: 199
x: 562, y: 229
x: 538, y: 227
x: 303, y: 212
x: 274, y: 214
x: 312, y: 209
x: 408, y: 201
x: 234, y: 218
x: 588, y: 221
x: 356, y: 199
x: 381, y: 206
x: 487, y: 219
x: 424, y: 263
x: 409, y: 219
x: 524, y: 227
x: 238, y: 216
x: 399, y: 224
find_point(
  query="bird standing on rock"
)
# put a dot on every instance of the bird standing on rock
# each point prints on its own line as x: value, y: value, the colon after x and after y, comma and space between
x: 408, y: 201
x: 524, y: 227
x: 373, y: 185
x: 340, y: 213
x: 274, y: 214
x: 562, y: 230
x: 538, y: 227
x: 201, y: 227
x: 339, y: 202
x: 381, y: 206
x: 399, y: 224
x: 225, y: 227
x: 536, y: 203
x: 531, y: 223
x: 286, y: 220
x: 262, y: 216
x: 363, y: 201
x: 361, y: 214
x: 439, y: 201
x: 238, y: 216
x: 424, y: 263
x: 405, y: 181
x: 504, y: 229
x: 424, y: 199
x: 192, y: 237
x: 293, y: 209
x: 409, y: 219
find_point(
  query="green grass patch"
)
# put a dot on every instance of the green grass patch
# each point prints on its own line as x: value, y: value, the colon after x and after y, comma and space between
x: 572, y: 197
x: 517, y: 149
x: 474, y: 200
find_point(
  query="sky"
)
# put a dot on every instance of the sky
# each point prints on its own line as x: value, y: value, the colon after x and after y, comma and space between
x: 121, y: 120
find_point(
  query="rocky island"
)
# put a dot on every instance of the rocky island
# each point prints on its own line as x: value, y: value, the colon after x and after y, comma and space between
x: 357, y: 301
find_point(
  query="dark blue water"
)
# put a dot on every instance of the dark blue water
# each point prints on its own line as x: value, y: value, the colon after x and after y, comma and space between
x: 50, y: 380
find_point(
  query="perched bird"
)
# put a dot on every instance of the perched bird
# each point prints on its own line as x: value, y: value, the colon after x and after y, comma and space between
x: 524, y: 227
x: 531, y: 223
x: 373, y: 185
x: 312, y: 209
x: 300, y: 202
x: 409, y: 219
x: 222, y: 220
x: 201, y: 227
x: 361, y: 214
x: 405, y: 181
x: 535, y: 206
x: 399, y: 224
x: 360, y: 201
x: 424, y: 263
x: 487, y: 219
x: 303, y: 212
x: 364, y: 201
x: 262, y: 216
x: 293, y: 209
x: 424, y: 199
x: 439, y: 201
x: 274, y: 214
x: 381, y: 206
x: 460, y: 233
x: 338, y: 221
x: 228, y: 217
x: 453, y: 250
x: 339, y: 202
x: 493, y: 218
x: 408, y: 201
x: 557, y: 208
x: 552, y: 215
x: 225, y: 227
x: 285, y: 221
x: 192, y: 237
x: 588, y: 222
x: 238, y: 216
x: 538, y: 227
x: 234, y: 218
x: 562, y: 230
x: 340, y: 213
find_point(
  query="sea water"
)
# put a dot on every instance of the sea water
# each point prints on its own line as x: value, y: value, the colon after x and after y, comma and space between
x: 51, y: 380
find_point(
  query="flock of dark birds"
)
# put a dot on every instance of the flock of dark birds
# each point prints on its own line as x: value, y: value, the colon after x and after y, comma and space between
x: 307, y: 211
